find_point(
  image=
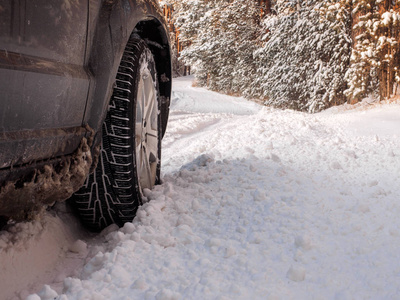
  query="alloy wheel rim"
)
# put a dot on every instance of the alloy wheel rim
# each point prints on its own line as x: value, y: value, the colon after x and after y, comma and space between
x: 146, y: 131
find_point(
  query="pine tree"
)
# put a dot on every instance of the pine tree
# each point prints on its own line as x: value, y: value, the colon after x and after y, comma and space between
x: 303, y: 59
x: 223, y: 37
x: 375, y: 56
x: 305, y: 54
x: 387, y: 31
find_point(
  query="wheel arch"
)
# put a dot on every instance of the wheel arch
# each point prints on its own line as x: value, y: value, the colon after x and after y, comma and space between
x: 113, y: 25
x: 159, y: 44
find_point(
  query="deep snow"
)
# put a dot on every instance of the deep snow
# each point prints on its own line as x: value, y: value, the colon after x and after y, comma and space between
x: 256, y: 203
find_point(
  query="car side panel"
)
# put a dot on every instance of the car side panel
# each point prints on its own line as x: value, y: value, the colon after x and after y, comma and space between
x: 43, y: 81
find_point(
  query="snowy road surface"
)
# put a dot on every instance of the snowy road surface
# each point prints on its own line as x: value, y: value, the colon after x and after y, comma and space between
x: 256, y: 203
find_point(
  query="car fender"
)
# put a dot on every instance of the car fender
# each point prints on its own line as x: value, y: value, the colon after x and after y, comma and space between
x: 114, y: 21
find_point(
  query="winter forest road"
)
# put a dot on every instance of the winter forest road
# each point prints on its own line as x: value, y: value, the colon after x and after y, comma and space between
x: 256, y: 203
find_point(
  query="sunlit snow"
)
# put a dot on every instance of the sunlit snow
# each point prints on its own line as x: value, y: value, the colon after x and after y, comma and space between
x: 258, y: 203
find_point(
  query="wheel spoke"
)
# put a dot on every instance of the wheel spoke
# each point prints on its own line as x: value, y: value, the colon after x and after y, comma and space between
x: 152, y: 145
x: 152, y: 132
x: 146, y: 178
x: 141, y: 167
x: 140, y: 101
x: 150, y: 101
x: 138, y: 133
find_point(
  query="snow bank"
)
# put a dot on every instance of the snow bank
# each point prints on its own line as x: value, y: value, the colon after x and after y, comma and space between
x: 44, y: 250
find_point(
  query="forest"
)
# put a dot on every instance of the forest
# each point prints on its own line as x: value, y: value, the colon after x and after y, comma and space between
x: 305, y: 55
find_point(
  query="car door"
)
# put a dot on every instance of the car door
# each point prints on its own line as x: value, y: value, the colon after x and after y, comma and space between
x: 43, y: 81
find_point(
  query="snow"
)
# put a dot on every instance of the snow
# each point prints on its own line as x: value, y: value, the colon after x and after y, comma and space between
x: 191, y: 99
x: 386, y: 18
x: 38, y: 252
x: 256, y: 203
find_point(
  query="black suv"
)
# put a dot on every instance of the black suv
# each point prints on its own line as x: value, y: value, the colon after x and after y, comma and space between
x: 84, y: 97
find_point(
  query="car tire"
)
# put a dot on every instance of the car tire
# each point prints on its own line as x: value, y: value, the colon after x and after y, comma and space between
x: 129, y: 161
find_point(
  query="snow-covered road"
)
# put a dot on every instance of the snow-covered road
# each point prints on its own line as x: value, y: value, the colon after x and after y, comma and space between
x: 256, y: 203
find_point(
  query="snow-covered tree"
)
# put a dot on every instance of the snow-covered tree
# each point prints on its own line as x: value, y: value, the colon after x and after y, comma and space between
x: 223, y: 37
x: 305, y: 54
x: 375, y: 53
x: 303, y: 60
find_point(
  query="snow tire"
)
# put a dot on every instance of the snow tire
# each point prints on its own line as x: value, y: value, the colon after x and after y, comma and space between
x: 129, y: 161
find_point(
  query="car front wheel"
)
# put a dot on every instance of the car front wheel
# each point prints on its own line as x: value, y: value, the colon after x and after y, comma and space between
x: 129, y: 161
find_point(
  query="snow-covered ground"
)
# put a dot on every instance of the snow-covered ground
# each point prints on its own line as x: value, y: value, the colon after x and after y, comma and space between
x: 256, y: 203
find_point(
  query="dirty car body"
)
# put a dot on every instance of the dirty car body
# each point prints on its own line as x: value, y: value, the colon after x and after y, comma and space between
x: 58, y: 66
